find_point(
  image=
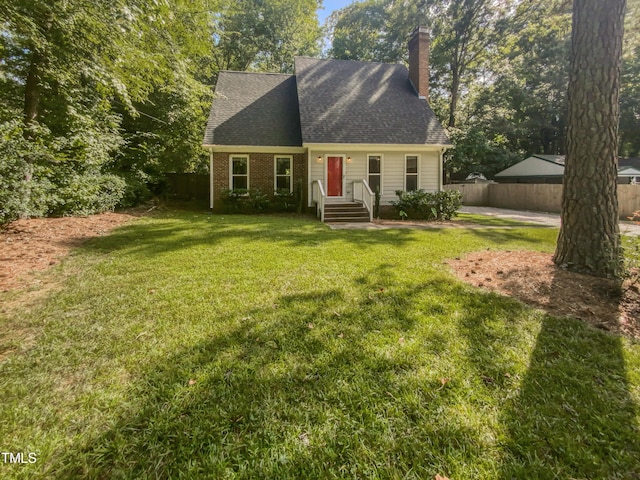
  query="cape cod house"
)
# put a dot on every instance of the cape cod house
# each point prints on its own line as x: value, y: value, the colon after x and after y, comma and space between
x: 337, y: 129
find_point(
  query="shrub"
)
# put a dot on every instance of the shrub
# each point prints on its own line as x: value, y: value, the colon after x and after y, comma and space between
x: 17, y: 157
x: 423, y: 205
x: 136, y: 191
x: 284, y: 201
x: 254, y: 200
x: 242, y: 200
x: 50, y: 175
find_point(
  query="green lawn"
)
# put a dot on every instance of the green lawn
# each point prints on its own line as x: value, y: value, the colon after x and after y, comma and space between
x: 490, y: 221
x: 195, y: 346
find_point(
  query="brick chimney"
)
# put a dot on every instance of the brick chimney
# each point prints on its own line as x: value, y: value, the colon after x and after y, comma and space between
x: 419, y: 61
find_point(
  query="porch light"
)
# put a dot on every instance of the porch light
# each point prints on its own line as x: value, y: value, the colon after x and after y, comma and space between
x: 319, y: 159
x: 349, y: 160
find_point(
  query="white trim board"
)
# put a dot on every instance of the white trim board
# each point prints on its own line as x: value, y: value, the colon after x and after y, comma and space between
x: 379, y: 147
x: 254, y: 149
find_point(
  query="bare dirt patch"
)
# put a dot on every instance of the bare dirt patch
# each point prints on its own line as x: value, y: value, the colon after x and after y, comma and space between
x: 39, y: 243
x: 534, y: 279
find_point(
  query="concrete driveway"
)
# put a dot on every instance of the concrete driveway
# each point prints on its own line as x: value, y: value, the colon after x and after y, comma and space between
x: 548, y: 219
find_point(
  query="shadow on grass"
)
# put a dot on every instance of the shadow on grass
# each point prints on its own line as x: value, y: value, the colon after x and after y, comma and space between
x: 489, y: 221
x: 318, y: 385
x: 574, y: 416
x: 577, y: 385
x: 177, y: 233
x: 504, y: 236
x: 307, y: 388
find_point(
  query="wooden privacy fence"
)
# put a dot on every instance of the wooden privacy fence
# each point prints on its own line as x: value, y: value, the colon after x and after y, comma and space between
x: 537, y: 197
x: 188, y: 186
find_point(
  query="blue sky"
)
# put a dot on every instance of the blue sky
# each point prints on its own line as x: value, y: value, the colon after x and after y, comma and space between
x: 329, y: 6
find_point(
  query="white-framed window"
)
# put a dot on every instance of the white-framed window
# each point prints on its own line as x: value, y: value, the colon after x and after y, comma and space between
x: 238, y: 172
x: 283, y: 173
x: 374, y: 172
x: 411, y: 164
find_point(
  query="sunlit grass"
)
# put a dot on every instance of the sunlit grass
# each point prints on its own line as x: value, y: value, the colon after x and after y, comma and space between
x: 491, y: 221
x: 260, y: 347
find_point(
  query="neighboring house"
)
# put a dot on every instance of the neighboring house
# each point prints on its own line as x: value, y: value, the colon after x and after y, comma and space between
x: 464, y: 177
x: 550, y: 169
x: 339, y: 130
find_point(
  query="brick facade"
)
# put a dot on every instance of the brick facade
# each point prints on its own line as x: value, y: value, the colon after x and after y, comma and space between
x: 419, y: 61
x: 261, y: 172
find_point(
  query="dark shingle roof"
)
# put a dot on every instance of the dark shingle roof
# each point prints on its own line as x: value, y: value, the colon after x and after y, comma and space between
x: 629, y: 163
x: 254, y: 109
x: 622, y: 162
x: 344, y: 101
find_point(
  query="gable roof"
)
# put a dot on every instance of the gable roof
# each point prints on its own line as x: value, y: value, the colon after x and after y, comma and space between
x: 558, y: 159
x: 535, y: 166
x: 553, y: 165
x: 629, y: 163
x: 345, y: 101
x: 254, y: 109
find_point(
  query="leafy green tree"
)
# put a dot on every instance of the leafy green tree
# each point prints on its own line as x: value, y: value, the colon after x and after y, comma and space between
x: 526, y: 98
x: 630, y: 84
x: 74, y: 70
x: 265, y: 35
x: 477, y: 152
x: 358, y: 32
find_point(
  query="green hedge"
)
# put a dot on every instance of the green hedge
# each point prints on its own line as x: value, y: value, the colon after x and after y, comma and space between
x: 423, y: 205
x: 254, y: 200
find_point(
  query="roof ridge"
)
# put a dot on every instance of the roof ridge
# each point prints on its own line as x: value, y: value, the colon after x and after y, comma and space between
x: 350, y: 61
x: 257, y: 73
x: 539, y: 157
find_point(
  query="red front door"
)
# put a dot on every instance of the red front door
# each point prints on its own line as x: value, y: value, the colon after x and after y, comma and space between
x: 334, y: 176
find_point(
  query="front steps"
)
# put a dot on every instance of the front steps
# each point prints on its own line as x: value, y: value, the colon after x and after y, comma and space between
x: 345, y: 212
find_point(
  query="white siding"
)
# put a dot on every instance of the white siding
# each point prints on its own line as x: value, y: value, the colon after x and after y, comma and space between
x: 393, y: 170
x: 429, y: 172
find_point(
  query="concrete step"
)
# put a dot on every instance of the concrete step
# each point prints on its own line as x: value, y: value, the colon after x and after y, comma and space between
x: 352, y: 208
x: 342, y: 204
x: 345, y: 212
x: 347, y: 219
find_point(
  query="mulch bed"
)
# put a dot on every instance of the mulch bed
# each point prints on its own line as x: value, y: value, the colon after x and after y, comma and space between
x: 38, y: 243
x: 534, y: 279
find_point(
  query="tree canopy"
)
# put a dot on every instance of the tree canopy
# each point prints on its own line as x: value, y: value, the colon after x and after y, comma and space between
x: 499, y: 71
x: 99, y: 100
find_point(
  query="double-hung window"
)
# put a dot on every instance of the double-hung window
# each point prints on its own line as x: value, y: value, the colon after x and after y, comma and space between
x: 283, y: 168
x: 411, y: 173
x: 239, y: 172
x: 374, y: 172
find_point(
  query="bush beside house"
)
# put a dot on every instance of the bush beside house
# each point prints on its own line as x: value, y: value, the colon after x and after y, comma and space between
x: 423, y: 205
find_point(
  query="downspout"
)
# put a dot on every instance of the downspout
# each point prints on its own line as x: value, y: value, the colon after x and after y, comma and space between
x: 441, y: 169
x: 211, y: 178
x: 309, y: 186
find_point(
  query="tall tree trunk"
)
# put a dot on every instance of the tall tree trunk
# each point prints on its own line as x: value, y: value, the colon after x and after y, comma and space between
x: 589, y: 240
x: 32, y: 90
x: 31, y: 109
x: 455, y: 88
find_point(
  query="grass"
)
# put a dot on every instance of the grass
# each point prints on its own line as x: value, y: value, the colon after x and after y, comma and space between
x: 490, y: 221
x: 190, y: 346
